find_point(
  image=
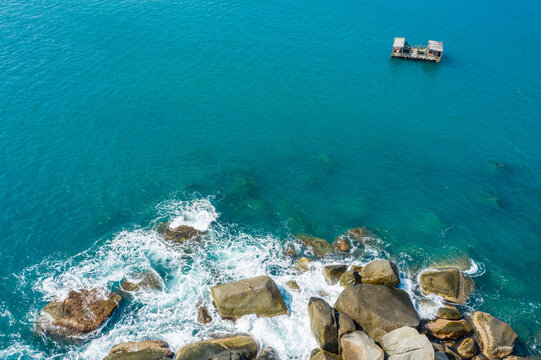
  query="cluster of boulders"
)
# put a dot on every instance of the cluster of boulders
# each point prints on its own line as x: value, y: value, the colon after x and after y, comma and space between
x: 372, y: 319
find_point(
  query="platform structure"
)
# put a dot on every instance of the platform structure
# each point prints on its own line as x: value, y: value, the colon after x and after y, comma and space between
x: 432, y: 52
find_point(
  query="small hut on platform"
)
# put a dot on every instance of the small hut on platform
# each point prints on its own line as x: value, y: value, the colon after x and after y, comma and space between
x: 432, y: 52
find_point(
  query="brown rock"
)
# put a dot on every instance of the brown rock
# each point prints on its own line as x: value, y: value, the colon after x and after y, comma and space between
x: 496, y: 338
x: 350, y: 278
x: 319, y: 246
x: 242, y: 346
x: 448, y: 329
x: 292, y: 284
x: 341, y: 244
x: 83, y: 311
x: 323, y: 324
x: 466, y: 348
x: 303, y: 264
x: 450, y: 284
x: 182, y: 233
x: 333, y: 273
x: 141, y: 350
x: 449, y: 312
x: 204, y: 317
x: 324, y: 355
x: 380, y: 272
x: 147, y: 280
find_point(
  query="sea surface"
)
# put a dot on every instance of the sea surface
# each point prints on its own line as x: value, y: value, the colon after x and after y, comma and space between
x: 257, y: 120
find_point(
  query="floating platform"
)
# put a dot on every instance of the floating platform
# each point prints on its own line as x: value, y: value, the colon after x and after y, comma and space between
x: 431, y: 53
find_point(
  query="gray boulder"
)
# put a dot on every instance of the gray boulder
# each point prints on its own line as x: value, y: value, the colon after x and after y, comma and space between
x: 380, y: 272
x: 257, y: 295
x: 323, y: 324
x: 407, y: 344
x: 378, y: 309
x: 495, y: 337
x: 358, y: 345
x: 141, y: 350
x: 234, y: 347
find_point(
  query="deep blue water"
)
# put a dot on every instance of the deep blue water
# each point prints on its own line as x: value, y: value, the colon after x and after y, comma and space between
x: 287, y: 117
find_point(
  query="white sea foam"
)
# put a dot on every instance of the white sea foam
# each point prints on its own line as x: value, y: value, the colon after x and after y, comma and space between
x: 189, y: 270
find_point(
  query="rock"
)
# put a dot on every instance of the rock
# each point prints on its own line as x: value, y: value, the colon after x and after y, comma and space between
x: 303, y: 264
x: 466, y: 348
x: 292, y: 284
x: 204, y: 317
x: 440, y: 356
x: 407, y: 344
x: 380, y: 272
x: 448, y: 329
x: 333, y: 272
x: 350, y: 278
x: 358, y: 345
x: 517, y: 358
x: 234, y: 347
x: 496, y: 338
x: 257, y: 295
x: 324, y: 355
x: 377, y: 309
x: 359, y: 234
x: 449, y: 312
x: 341, y: 244
x: 267, y: 353
x: 290, y: 250
x: 146, y: 280
x: 314, y: 352
x: 82, y: 312
x: 319, y: 246
x: 451, y: 354
x: 323, y: 324
x: 346, y: 325
x: 140, y: 350
x: 450, y: 284
x: 357, y: 268
x: 182, y: 233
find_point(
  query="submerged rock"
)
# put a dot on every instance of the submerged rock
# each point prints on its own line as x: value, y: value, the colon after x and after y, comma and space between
x: 358, y: 345
x: 495, y: 337
x: 319, y: 246
x: 292, y: 284
x: 378, y: 309
x: 323, y: 324
x: 203, y: 316
x: 257, y: 295
x: 333, y: 273
x: 303, y: 264
x: 146, y: 280
x: 82, y: 312
x: 341, y: 244
x: 140, y: 350
x: 234, y: 347
x: 450, y: 284
x: 182, y: 233
x: 380, y: 272
x: 448, y: 329
x: 350, y: 278
x: 407, y: 344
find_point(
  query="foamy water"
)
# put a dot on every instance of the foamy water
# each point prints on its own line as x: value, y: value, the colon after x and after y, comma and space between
x: 188, y: 272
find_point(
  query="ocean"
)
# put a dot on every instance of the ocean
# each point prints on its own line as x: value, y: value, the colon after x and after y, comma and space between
x: 256, y: 121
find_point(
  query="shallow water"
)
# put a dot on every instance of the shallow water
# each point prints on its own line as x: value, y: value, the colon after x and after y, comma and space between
x: 261, y: 121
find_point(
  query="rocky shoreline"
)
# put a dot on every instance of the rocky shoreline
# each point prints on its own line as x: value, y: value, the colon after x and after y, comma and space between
x: 372, y: 318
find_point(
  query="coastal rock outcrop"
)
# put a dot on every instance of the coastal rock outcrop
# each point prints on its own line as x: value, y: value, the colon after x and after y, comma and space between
x: 181, y: 233
x: 323, y: 324
x: 407, y: 344
x: 320, y: 247
x: 495, y: 337
x: 449, y: 312
x: 380, y: 272
x: 233, y: 347
x: 358, y: 345
x: 81, y: 312
x: 258, y: 295
x: 146, y: 280
x: 203, y: 315
x: 450, y: 284
x: 333, y: 273
x: 443, y: 329
x: 378, y: 309
x: 140, y: 350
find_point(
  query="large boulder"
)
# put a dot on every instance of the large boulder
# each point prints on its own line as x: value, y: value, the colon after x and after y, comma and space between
x: 323, y: 324
x: 81, y: 312
x: 450, y: 284
x: 257, y: 295
x: 495, y: 337
x: 350, y: 278
x: 239, y: 346
x: 323, y: 355
x: 378, y: 309
x: 320, y: 247
x: 407, y: 344
x: 449, y: 312
x: 358, y: 345
x: 466, y: 348
x: 146, y: 280
x: 448, y: 329
x: 332, y: 273
x: 140, y: 350
x: 380, y: 272
x: 203, y: 315
x: 181, y: 233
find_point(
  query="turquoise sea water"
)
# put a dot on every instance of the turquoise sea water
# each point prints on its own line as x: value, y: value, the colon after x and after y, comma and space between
x: 259, y: 120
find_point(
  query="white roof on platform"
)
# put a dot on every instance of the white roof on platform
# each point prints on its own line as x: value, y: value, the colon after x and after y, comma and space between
x: 399, y: 42
x: 435, y: 45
